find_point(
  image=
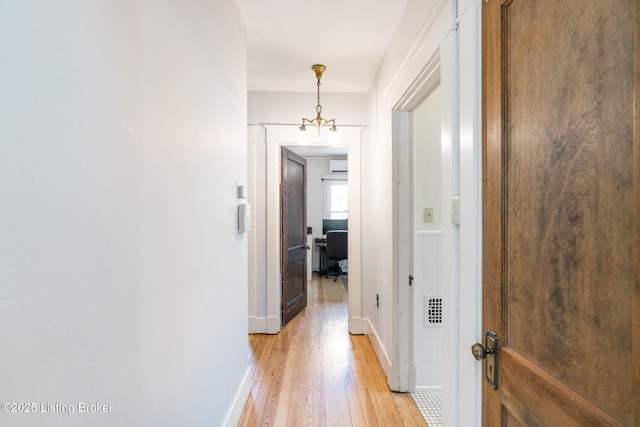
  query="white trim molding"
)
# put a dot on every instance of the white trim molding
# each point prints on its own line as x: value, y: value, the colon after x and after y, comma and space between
x: 237, y: 406
x: 378, y: 348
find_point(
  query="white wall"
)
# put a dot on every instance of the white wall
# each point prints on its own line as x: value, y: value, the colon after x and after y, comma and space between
x: 291, y: 107
x: 427, y: 173
x: 427, y: 288
x: 427, y: 285
x: 122, y: 278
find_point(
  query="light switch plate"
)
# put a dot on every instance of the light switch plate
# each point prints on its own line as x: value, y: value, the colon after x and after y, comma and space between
x: 455, y: 210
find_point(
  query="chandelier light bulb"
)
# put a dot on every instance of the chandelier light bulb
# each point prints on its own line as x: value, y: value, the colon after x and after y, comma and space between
x: 334, y: 136
x: 303, y: 135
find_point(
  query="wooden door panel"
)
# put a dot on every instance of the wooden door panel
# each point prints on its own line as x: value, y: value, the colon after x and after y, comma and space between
x: 510, y: 421
x: 295, y: 291
x: 559, y: 218
x: 294, y: 235
x: 568, y: 193
x: 532, y: 397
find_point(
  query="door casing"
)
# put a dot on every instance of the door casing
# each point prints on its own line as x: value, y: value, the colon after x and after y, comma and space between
x: 278, y: 135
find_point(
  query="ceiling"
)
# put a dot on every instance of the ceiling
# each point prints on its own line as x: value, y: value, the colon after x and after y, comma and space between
x: 286, y: 37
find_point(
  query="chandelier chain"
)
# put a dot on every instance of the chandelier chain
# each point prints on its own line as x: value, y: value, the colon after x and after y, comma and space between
x: 318, y: 121
x: 318, y: 107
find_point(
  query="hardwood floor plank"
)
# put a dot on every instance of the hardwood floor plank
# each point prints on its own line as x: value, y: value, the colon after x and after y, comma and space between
x: 274, y: 372
x: 362, y: 382
x: 313, y: 373
x: 341, y: 408
x: 408, y: 410
x: 382, y: 402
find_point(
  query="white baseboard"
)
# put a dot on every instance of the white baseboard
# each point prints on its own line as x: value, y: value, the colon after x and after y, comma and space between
x: 383, y: 357
x: 237, y: 406
x: 273, y: 324
x: 264, y: 325
x: 261, y: 325
x: 357, y: 326
x: 252, y: 325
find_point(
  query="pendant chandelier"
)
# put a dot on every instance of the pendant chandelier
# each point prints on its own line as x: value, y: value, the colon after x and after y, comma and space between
x: 319, y: 122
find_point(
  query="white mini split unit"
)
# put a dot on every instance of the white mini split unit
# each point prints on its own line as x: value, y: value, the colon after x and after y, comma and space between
x: 338, y: 166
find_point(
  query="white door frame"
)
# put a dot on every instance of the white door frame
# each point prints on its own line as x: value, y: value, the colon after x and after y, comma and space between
x: 458, y: 63
x: 403, y: 369
x: 278, y: 135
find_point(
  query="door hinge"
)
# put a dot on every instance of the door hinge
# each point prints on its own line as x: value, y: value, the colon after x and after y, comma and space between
x: 411, y: 280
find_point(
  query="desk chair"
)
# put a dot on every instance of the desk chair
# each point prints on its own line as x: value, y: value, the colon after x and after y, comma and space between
x: 337, y: 250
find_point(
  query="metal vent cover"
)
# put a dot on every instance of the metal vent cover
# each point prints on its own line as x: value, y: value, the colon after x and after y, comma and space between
x: 432, y: 311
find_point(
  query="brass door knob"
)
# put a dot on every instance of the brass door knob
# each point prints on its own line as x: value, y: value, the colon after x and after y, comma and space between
x: 479, y: 352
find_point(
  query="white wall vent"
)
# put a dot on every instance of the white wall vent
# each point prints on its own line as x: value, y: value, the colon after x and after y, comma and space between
x: 337, y: 166
x: 432, y: 311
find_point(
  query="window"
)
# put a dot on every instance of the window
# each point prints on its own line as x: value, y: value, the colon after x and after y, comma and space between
x: 336, y: 197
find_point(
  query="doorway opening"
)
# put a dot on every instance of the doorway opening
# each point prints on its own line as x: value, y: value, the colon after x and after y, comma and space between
x: 408, y: 212
x: 267, y: 291
x: 420, y: 218
x: 327, y: 206
x: 426, y: 246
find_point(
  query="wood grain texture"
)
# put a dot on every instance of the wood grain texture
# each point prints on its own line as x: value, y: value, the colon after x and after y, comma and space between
x: 561, y: 204
x: 569, y: 193
x: 293, y: 234
x: 532, y: 397
x: 492, y: 205
x: 313, y: 373
x: 636, y: 208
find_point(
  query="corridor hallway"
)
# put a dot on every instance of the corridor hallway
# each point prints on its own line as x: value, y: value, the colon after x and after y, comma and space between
x: 313, y: 373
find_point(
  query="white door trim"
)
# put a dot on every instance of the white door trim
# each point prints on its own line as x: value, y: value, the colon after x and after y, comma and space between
x: 278, y: 135
x: 402, y: 376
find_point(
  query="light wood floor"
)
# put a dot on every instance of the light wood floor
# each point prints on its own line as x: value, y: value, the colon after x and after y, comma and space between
x: 313, y: 373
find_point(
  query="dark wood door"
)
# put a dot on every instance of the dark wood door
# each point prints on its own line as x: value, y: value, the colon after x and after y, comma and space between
x: 561, y: 203
x: 293, y: 195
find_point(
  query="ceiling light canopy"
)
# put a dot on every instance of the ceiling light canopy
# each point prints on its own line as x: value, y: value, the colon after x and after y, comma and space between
x: 318, y: 122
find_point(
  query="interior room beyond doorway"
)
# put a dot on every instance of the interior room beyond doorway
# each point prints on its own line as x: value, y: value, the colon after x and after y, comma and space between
x: 327, y: 204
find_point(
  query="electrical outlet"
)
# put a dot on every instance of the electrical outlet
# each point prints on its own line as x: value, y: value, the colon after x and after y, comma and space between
x: 428, y: 214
